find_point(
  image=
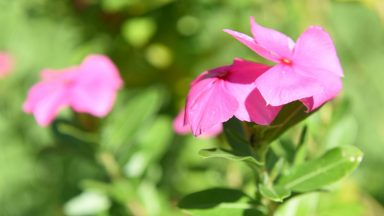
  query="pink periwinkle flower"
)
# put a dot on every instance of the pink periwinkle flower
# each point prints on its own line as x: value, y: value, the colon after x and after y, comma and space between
x: 6, y: 64
x: 308, y: 71
x: 182, y: 129
x: 89, y: 88
x: 219, y: 94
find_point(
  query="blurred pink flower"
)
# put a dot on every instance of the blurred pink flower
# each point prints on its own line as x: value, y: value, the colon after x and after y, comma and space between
x: 308, y: 70
x: 219, y: 94
x: 89, y: 88
x: 6, y: 64
x: 182, y: 129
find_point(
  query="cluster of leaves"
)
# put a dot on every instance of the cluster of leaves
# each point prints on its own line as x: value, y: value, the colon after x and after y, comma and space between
x: 279, y: 176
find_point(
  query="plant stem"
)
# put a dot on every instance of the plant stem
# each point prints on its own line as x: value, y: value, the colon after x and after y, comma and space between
x: 110, y: 164
x: 262, y: 176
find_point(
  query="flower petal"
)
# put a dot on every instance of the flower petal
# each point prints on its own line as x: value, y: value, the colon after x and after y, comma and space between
x: 316, y: 55
x: 45, y: 100
x: 180, y: 128
x: 6, y: 64
x: 240, y: 82
x: 259, y: 112
x: 178, y: 124
x: 95, y: 86
x: 250, y: 43
x: 283, y: 84
x: 332, y: 87
x: 208, y: 104
x: 64, y: 75
x: 102, y: 68
x: 213, y: 131
x: 277, y: 43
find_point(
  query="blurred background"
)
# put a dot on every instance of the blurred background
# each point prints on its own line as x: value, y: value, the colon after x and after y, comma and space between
x: 132, y: 163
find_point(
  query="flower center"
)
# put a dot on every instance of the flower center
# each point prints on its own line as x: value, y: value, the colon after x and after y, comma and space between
x: 286, y: 61
x: 222, y: 74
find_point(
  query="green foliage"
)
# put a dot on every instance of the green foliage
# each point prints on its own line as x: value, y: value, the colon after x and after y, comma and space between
x: 332, y: 166
x: 219, y: 201
x: 125, y: 121
x: 221, y: 153
x: 131, y: 163
x: 278, y: 193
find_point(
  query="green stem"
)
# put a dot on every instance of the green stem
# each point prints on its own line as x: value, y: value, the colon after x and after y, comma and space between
x: 262, y: 176
x: 107, y: 160
x: 111, y: 166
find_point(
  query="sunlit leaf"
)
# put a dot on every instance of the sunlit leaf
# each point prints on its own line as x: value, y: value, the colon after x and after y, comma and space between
x: 87, y: 203
x: 277, y: 193
x: 221, y: 153
x: 331, y: 167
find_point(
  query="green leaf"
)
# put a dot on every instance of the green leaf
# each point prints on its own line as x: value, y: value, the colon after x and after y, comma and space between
x: 222, y: 153
x: 149, y: 147
x: 275, y: 193
x: 331, y: 167
x: 87, y: 203
x: 236, y: 137
x: 220, y: 202
x: 338, y: 202
x: 129, y: 117
x: 226, y: 210
x: 238, y: 140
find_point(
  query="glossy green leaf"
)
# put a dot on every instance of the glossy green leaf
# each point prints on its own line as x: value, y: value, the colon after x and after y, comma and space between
x: 221, y: 153
x: 331, y: 167
x: 325, y: 204
x: 218, y: 201
x: 275, y: 193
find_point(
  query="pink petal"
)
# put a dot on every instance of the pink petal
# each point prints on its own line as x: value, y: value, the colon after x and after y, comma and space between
x: 180, y: 128
x: 100, y: 67
x: 332, y: 87
x: 95, y: 86
x: 178, y: 124
x: 94, y: 99
x: 283, y: 84
x: 259, y: 112
x: 240, y: 82
x: 6, y: 64
x: 45, y: 100
x: 208, y: 104
x: 276, y: 43
x: 316, y: 55
x: 64, y: 75
x: 252, y: 44
x: 216, y: 72
x: 214, y: 131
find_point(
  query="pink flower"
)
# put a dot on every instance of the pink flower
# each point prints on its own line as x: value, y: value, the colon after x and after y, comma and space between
x: 308, y: 71
x: 182, y: 129
x: 219, y: 94
x: 89, y: 88
x: 6, y: 64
